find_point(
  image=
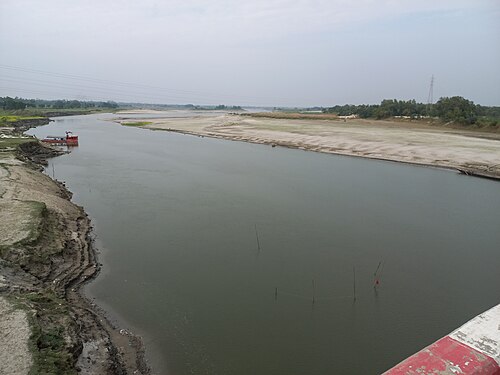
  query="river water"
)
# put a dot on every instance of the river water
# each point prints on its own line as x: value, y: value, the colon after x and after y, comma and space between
x: 214, y: 250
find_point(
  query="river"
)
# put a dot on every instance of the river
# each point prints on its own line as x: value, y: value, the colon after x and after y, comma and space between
x: 237, y: 258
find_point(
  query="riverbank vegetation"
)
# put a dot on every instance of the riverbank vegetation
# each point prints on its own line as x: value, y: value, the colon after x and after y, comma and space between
x: 32, y: 240
x: 46, y: 255
x: 455, y: 109
x: 220, y: 107
x: 138, y: 123
x: 22, y: 114
x: 21, y: 123
x: 11, y: 143
x: 8, y: 103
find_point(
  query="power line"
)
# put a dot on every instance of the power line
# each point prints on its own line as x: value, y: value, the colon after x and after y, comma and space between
x: 102, y: 90
x: 88, y: 79
x: 208, y: 95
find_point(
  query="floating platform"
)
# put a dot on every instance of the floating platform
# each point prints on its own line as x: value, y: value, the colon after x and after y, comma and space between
x: 69, y: 139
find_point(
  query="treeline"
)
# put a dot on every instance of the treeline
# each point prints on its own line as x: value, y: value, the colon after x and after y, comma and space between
x: 455, y: 109
x: 220, y: 107
x: 8, y: 103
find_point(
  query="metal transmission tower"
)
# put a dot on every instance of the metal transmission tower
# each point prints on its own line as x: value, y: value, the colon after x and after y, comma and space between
x: 430, y: 97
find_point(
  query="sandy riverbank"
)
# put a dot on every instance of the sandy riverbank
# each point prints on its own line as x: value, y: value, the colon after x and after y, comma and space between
x: 409, y: 142
x: 46, y: 255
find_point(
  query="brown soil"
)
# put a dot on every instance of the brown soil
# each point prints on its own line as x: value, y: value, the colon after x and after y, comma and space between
x: 25, y: 124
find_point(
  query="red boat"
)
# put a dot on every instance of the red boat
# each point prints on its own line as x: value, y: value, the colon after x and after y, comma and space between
x: 69, y: 140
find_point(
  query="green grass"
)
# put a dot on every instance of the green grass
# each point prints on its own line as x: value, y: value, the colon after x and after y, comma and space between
x: 9, y: 119
x: 48, y: 317
x: 13, y: 118
x: 139, y: 123
x: 12, y: 143
x: 42, y: 112
x: 488, y: 122
x: 48, y: 345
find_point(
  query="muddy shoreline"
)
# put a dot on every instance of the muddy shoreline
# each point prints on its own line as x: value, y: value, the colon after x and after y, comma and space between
x: 43, y: 269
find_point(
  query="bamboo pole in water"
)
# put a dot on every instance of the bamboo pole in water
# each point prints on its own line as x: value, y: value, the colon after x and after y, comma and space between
x: 257, y: 236
x: 314, y: 292
x: 376, y: 275
x: 354, y: 281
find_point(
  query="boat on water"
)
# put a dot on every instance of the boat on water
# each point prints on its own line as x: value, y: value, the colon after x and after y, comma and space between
x: 69, y: 139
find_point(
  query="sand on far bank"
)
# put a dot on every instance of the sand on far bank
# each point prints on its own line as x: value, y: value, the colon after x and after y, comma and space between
x: 410, y: 142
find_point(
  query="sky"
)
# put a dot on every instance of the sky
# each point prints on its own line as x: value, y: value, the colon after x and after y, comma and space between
x: 259, y: 52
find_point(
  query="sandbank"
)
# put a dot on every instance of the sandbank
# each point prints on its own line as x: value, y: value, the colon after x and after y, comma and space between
x: 468, y: 151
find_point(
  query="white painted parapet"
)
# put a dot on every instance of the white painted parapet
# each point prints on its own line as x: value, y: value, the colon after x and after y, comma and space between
x: 474, y: 348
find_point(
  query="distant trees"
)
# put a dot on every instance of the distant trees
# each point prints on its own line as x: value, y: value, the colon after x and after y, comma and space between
x: 387, y: 108
x: 394, y: 107
x: 75, y: 104
x: 455, y: 109
x: 363, y: 110
x: 492, y: 112
x: 488, y: 116
x: 226, y: 107
x: 8, y: 103
x: 220, y: 107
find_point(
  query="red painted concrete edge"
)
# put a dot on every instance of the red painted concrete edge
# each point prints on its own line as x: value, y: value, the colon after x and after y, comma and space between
x: 447, y: 356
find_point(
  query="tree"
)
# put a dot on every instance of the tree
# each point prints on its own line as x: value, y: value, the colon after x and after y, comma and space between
x: 13, y: 103
x: 456, y: 109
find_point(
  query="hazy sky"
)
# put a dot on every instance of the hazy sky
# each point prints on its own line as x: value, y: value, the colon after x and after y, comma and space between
x: 258, y: 52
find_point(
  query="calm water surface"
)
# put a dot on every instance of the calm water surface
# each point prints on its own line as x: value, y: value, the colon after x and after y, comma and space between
x: 176, y: 218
